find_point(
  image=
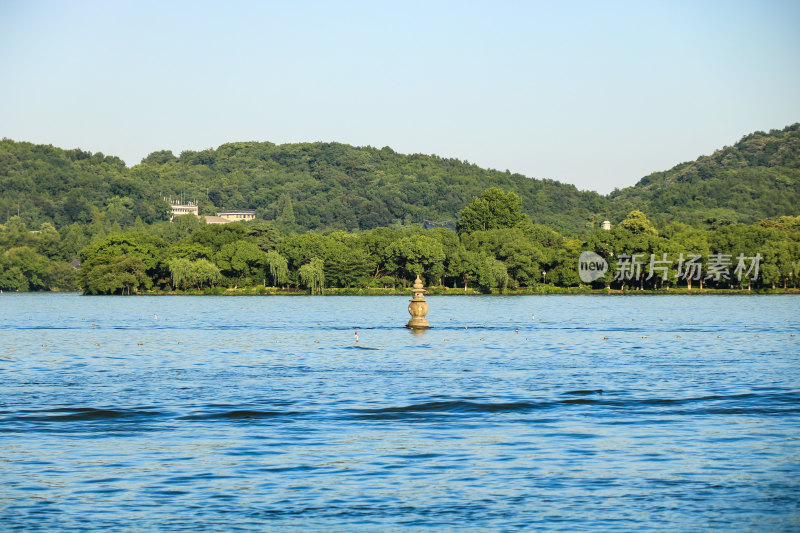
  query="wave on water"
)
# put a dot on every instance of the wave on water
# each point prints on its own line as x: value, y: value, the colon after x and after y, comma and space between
x: 239, y: 414
x: 79, y: 414
x: 744, y: 404
x: 593, y: 402
x: 429, y: 410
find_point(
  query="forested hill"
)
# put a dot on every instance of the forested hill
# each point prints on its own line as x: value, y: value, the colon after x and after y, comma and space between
x: 756, y: 178
x: 322, y: 186
x: 304, y: 186
x: 331, y: 185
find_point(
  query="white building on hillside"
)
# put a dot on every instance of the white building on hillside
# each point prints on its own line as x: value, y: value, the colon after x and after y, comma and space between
x: 238, y: 215
x: 178, y: 209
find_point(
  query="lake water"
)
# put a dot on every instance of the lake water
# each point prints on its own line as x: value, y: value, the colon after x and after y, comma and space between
x: 261, y: 413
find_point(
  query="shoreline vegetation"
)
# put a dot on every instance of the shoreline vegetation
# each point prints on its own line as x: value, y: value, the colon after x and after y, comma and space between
x: 495, y: 249
x: 447, y: 291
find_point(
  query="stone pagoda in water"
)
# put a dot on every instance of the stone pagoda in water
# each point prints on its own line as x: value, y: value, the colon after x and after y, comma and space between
x: 418, y: 307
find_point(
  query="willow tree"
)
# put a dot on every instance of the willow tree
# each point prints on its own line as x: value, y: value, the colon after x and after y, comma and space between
x: 278, y: 268
x: 186, y: 273
x: 204, y: 271
x: 313, y: 275
x: 179, y: 269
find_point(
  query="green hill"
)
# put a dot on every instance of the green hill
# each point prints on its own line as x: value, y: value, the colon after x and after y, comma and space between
x: 313, y: 186
x: 319, y: 186
x: 47, y: 184
x: 756, y: 178
x: 330, y: 185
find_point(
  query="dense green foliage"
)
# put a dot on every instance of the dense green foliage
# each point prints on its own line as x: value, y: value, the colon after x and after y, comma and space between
x: 46, y: 184
x: 756, y: 178
x: 494, y: 209
x: 314, y: 186
x: 364, y: 207
x: 327, y: 186
x: 186, y: 254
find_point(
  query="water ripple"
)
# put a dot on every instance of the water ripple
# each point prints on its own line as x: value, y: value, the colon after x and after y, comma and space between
x: 228, y: 414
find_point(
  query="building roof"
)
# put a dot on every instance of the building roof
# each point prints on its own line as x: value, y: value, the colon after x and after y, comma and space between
x: 237, y: 212
x: 211, y: 219
x: 176, y: 203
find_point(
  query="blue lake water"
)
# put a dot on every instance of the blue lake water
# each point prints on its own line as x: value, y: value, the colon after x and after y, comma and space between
x: 261, y: 413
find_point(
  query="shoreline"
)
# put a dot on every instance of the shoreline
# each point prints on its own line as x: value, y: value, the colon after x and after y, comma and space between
x: 438, y: 291
x: 443, y: 291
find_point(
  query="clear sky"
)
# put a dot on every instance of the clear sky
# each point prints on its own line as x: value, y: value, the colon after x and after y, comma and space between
x: 597, y: 94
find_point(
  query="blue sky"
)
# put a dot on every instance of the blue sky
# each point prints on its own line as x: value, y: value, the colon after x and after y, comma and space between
x: 597, y: 94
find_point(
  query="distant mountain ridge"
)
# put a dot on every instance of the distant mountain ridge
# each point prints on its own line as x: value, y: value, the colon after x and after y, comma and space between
x: 321, y: 186
x: 756, y: 178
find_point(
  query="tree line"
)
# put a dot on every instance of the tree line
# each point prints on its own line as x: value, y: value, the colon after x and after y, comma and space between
x: 496, y: 247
